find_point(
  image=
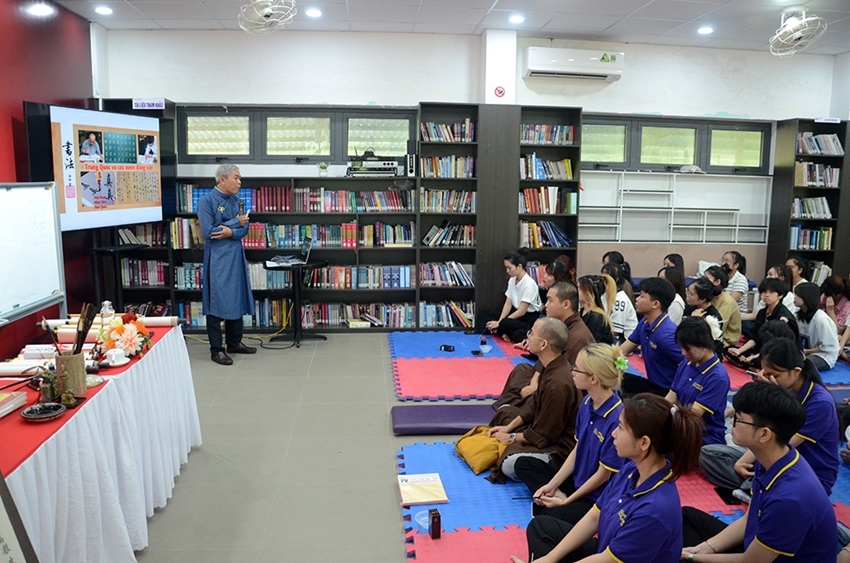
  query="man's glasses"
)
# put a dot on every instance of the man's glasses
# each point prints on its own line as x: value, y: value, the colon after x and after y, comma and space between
x: 530, y: 334
x: 736, y: 420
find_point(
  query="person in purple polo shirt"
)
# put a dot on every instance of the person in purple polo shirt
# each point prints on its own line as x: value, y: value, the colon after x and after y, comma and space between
x: 656, y: 336
x: 638, y: 516
x: 568, y: 493
x: 701, y: 381
x: 790, y: 517
x: 817, y: 441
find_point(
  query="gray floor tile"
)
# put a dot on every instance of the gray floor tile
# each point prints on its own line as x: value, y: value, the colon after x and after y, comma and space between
x: 340, y: 460
x: 322, y: 389
x: 263, y: 390
x: 326, y: 420
x: 207, y: 387
x: 222, y: 422
x: 348, y: 366
x: 243, y: 460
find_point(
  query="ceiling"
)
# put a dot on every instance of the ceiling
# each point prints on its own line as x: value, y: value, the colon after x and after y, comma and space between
x: 738, y: 24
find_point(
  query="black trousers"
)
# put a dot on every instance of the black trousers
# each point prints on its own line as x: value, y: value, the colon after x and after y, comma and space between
x: 516, y: 329
x: 634, y: 384
x: 697, y: 526
x: 545, y: 532
x: 232, y: 330
x: 535, y: 473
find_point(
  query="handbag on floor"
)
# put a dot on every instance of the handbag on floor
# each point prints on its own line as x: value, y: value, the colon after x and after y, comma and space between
x: 478, y: 450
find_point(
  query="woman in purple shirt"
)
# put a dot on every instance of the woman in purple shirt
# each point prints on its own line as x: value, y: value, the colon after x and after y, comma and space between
x: 638, y: 516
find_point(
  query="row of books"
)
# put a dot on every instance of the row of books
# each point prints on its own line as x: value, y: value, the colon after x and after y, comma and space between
x: 543, y: 234
x: 268, y: 313
x: 810, y: 208
x: 445, y: 274
x: 447, y: 166
x: 824, y: 144
x: 448, y: 234
x: 381, y: 234
x: 149, y: 308
x: 189, y: 276
x: 538, y: 134
x: 322, y: 200
x: 395, y: 315
x: 188, y: 196
x: 462, y: 132
x: 813, y: 174
x: 362, y: 277
x: 820, y: 272
x: 151, y: 234
x: 531, y: 167
x: 137, y: 272
x: 447, y: 314
x: 804, y: 238
x: 186, y: 233
x: 548, y: 200
x: 536, y: 270
x: 446, y: 201
x: 270, y: 235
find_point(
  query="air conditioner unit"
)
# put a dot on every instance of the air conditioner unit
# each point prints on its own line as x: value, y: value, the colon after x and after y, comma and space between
x: 583, y: 64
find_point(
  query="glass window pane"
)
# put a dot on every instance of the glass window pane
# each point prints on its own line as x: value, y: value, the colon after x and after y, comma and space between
x: 667, y: 145
x: 603, y: 143
x: 736, y: 148
x: 385, y: 137
x: 208, y: 134
x: 298, y: 136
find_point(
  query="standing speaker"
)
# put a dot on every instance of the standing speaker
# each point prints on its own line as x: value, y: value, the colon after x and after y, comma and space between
x: 410, y: 165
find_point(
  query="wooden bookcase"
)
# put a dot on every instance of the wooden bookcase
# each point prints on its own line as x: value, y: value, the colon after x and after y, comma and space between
x: 786, y: 188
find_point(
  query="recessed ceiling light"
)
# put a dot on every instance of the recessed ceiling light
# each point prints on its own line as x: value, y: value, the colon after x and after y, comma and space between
x: 41, y: 9
x: 516, y: 18
x: 103, y: 10
x: 705, y: 30
x: 314, y: 13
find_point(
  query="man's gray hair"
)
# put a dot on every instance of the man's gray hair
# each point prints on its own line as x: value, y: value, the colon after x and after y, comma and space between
x: 554, y: 332
x: 223, y: 171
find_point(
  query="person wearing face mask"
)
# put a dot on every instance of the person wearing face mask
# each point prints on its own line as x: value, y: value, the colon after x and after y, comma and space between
x: 735, y: 266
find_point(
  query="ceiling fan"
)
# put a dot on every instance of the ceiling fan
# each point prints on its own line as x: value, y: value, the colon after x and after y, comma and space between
x: 797, y: 32
x: 261, y: 17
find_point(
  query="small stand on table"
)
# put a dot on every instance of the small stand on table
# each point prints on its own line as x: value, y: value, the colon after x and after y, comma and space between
x: 297, y: 270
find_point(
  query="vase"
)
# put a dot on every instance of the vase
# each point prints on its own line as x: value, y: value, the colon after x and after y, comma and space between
x: 323, y: 173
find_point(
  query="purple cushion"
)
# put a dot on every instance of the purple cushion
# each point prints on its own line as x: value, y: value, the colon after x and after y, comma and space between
x: 439, y: 419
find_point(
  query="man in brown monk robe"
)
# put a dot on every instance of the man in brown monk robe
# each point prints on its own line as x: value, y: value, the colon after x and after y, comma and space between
x: 562, y: 304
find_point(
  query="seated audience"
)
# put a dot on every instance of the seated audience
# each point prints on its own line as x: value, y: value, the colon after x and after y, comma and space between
x: 725, y: 305
x: 698, y: 298
x: 569, y: 492
x: 772, y: 291
x: 675, y: 261
x: 835, y: 300
x: 623, y: 316
x: 545, y: 425
x: 789, y: 517
x: 701, y: 382
x: 817, y: 440
x: 656, y: 336
x: 778, y: 271
x: 559, y: 269
x: 799, y: 269
x: 735, y: 266
x: 675, y: 277
x: 561, y: 304
x: 591, y: 289
x: 624, y: 280
x: 522, y: 302
x: 817, y: 331
x: 638, y: 516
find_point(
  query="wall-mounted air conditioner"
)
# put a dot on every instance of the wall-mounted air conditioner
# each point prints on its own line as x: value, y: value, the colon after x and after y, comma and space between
x: 583, y: 64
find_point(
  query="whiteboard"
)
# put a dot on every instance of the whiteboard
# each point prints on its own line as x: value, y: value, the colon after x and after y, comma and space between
x: 32, y: 273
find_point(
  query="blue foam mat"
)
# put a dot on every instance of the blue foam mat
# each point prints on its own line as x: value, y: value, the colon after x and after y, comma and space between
x: 474, y: 502
x: 838, y: 375
x: 841, y: 488
x: 426, y: 344
x: 728, y: 518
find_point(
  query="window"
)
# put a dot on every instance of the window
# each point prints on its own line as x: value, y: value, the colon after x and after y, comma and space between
x: 385, y: 137
x: 298, y: 136
x: 667, y: 145
x: 218, y: 135
x: 603, y: 143
x: 736, y: 148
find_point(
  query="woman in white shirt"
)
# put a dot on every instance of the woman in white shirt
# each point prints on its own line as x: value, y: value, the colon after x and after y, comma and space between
x: 799, y: 269
x: 522, y: 300
x: 675, y: 277
x: 817, y: 331
x: 735, y: 266
x: 622, y: 312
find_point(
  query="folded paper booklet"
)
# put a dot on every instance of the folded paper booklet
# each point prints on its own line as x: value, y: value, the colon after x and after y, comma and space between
x: 11, y: 401
x: 424, y: 488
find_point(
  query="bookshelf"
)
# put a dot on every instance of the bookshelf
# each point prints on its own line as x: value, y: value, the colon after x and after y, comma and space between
x: 810, y: 207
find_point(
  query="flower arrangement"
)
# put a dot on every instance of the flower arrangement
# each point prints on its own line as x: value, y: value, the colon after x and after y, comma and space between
x: 128, y: 333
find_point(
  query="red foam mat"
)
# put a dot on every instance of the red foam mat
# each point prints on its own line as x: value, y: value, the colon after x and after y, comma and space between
x: 462, y: 546
x: 456, y: 378
x: 737, y: 377
x: 695, y: 491
x: 842, y: 513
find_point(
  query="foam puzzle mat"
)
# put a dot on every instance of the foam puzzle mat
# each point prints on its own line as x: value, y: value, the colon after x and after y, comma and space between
x: 426, y: 344
x: 418, y: 379
x: 485, y: 545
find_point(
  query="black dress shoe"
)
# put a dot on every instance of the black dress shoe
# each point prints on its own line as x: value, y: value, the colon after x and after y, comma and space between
x: 241, y: 349
x: 222, y: 359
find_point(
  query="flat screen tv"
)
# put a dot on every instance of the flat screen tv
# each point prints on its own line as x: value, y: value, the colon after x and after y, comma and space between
x: 107, y: 165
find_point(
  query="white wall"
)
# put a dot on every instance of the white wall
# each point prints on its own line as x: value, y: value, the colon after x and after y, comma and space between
x: 841, y: 87
x: 99, y: 60
x: 691, y: 81
x: 294, y: 67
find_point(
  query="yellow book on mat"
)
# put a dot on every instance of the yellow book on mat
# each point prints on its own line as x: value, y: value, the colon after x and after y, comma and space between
x: 424, y: 488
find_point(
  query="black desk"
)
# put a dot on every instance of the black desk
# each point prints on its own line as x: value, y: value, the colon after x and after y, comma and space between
x: 297, y: 279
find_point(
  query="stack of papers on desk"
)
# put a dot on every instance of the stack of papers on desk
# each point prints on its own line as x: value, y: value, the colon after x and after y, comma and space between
x: 283, y: 261
x: 11, y: 401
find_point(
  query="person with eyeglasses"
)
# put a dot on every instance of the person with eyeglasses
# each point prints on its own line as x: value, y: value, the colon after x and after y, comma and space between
x: 817, y: 440
x: 790, y: 517
x: 545, y: 425
x: 638, y: 516
x: 568, y: 492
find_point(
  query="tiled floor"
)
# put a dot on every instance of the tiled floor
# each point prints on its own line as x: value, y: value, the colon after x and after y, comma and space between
x: 297, y: 463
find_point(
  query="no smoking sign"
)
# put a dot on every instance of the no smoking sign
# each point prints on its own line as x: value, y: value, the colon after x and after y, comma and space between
x: 499, y: 91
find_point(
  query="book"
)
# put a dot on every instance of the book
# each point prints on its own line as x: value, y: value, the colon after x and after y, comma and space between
x: 423, y: 488
x: 13, y: 400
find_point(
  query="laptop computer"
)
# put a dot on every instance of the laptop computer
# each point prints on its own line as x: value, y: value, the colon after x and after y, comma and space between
x: 302, y: 258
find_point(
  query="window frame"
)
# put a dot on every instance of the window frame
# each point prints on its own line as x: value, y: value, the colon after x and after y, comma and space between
x: 384, y: 114
x: 183, y: 135
x: 267, y: 158
x: 626, y: 139
x: 761, y: 170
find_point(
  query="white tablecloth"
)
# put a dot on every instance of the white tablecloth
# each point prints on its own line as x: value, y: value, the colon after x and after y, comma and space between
x: 84, y: 495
